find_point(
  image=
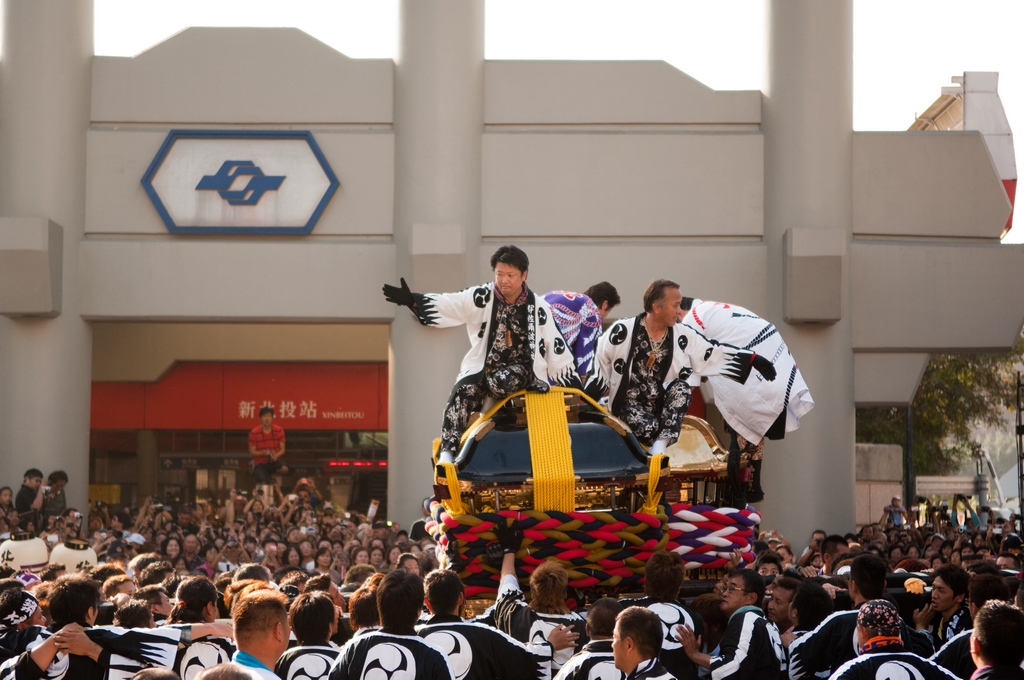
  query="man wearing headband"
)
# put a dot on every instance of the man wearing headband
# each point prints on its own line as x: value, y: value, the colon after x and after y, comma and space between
x: 20, y: 620
x: 881, y: 651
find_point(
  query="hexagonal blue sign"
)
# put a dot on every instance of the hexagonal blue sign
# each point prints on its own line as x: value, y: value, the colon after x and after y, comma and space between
x: 240, y: 182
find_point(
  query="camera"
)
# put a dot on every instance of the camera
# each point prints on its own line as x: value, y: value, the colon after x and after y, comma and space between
x: 158, y: 508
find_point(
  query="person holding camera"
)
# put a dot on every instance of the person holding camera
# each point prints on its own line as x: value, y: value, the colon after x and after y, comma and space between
x: 266, y: 446
x: 894, y: 514
x: 56, y: 502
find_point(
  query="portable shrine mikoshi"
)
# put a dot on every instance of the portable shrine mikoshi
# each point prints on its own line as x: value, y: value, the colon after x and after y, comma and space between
x: 573, y: 478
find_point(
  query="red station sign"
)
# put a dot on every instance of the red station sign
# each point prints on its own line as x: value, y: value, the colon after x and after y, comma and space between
x: 229, y: 396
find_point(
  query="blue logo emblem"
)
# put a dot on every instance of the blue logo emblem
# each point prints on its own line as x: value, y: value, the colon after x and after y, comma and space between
x: 251, y: 193
x: 232, y: 200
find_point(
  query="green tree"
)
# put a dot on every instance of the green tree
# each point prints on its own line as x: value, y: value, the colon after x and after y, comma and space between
x: 957, y: 392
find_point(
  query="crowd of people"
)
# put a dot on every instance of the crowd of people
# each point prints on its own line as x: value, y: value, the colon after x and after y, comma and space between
x: 292, y: 588
x: 275, y: 584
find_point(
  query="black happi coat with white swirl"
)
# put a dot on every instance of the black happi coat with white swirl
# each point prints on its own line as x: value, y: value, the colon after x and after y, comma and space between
x: 306, y: 663
x: 202, y: 653
x: 385, y: 656
x: 896, y: 665
x: 479, y: 652
x: 673, y: 657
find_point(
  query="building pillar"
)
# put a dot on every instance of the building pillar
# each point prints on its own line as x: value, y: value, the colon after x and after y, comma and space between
x: 439, y: 99
x: 807, y: 121
x: 148, y: 463
x: 45, y: 364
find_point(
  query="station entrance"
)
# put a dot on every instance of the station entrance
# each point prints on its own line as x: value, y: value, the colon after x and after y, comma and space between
x: 183, y: 436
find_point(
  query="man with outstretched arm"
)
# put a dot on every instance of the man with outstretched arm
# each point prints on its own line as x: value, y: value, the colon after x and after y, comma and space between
x: 514, y: 341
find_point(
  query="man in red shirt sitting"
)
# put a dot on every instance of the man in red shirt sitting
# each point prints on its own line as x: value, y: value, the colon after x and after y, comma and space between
x: 266, y: 445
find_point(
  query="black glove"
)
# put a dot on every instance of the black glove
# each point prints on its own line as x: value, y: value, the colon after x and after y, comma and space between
x: 509, y: 539
x: 456, y: 562
x: 400, y: 296
x: 764, y: 367
x: 494, y: 555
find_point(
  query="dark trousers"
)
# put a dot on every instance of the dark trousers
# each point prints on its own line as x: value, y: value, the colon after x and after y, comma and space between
x: 468, y: 396
x: 663, y: 420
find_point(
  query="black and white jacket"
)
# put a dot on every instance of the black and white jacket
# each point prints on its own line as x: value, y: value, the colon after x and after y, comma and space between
x: 955, y: 656
x: 751, y: 648
x: 649, y: 669
x: 125, y: 653
x: 943, y: 630
x: 512, y: 615
x: 395, y: 657
x: 594, y: 662
x: 883, y: 665
x: 306, y: 663
x: 834, y: 642
x: 473, y: 307
x: 751, y: 408
x: 690, y: 352
x: 673, y: 657
x: 479, y: 652
x: 205, y: 652
x: 14, y: 642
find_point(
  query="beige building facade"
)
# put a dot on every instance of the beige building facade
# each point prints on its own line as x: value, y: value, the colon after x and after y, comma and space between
x: 867, y: 250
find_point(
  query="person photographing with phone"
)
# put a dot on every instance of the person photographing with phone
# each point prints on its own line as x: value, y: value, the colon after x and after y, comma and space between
x: 266, y: 446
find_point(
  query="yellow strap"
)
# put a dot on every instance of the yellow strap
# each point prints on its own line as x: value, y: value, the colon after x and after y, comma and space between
x: 554, y: 481
x: 453, y: 505
x: 653, y: 496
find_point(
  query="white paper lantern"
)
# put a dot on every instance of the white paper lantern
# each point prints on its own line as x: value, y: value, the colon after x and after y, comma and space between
x: 24, y: 552
x: 75, y: 554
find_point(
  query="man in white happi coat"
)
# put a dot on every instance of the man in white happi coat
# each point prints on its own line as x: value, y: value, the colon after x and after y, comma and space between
x: 758, y: 408
x: 514, y: 341
x: 646, y: 361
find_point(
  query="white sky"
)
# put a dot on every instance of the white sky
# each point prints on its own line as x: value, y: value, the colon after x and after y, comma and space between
x: 904, y: 50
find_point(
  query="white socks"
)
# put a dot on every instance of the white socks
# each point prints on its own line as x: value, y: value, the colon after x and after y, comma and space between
x: 659, y: 446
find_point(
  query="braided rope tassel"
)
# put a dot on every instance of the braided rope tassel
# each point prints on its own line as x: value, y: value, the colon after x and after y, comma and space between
x: 453, y: 505
x: 653, y: 495
x: 706, y: 537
